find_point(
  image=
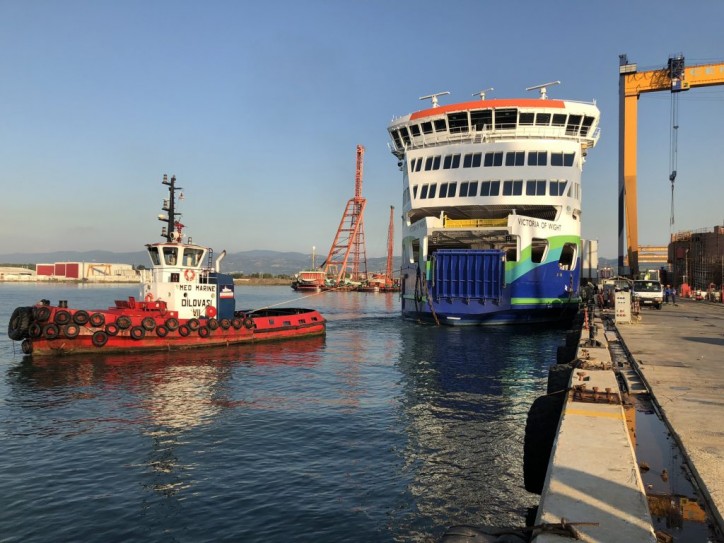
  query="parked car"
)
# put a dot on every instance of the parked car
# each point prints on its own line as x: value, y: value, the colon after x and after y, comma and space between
x: 648, y: 292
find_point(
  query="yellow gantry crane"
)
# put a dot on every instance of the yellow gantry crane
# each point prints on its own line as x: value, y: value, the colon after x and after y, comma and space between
x: 674, y: 77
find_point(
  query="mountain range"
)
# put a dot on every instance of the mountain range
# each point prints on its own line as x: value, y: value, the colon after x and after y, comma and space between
x: 246, y: 262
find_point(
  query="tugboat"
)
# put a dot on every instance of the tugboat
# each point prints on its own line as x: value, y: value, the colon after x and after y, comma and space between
x: 185, y: 302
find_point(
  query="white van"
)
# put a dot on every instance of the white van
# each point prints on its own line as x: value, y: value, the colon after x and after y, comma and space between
x: 648, y: 292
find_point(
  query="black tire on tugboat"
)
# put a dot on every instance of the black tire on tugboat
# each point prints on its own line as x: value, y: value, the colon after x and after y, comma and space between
x: 26, y: 346
x: 97, y: 320
x: 35, y: 331
x: 148, y: 324
x: 248, y: 323
x: 213, y: 324
x: 237, y: 323
x: 123, y: 322
x: 193, y: 324
x: 171, y: 323
x: 42, y: 313
x: 225, y: 324
x: 99, y: 338
x: 81, y: 317
x: 19, y: 324
x: 112, y: 329
x: 138, y: 332
x: 540, y: 432
x: 204, y: 331
x: 559, y: 377
x: 62, y: 317
x: 161, y: 330
x: 71, y: 330
x: 183, y: 330
x: 51, y: 331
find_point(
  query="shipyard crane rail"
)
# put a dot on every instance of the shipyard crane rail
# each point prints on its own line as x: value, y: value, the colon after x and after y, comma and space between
x: 674, y: 77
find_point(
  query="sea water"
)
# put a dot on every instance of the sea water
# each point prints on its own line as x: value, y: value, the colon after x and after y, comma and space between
x: 384, y: 430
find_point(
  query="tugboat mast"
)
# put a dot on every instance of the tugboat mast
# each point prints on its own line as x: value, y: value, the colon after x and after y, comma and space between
x: 170, y: 206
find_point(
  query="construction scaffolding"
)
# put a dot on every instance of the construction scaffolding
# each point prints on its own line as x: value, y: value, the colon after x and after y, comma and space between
x: 697, y: 258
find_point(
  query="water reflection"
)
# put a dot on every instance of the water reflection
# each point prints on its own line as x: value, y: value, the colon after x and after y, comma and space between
x: 467, y: 393
x: 166, y: 396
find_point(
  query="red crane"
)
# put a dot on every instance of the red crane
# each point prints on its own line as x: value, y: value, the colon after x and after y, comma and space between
x: 348, y: 250
x: 390, y: 242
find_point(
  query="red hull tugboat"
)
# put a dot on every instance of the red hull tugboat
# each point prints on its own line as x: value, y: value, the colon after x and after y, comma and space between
x: 185, y: 303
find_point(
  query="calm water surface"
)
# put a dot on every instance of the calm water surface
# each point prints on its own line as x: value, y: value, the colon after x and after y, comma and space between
x: 382, y: 431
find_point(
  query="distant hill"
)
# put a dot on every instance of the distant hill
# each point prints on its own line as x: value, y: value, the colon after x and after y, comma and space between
x: 246, y: 262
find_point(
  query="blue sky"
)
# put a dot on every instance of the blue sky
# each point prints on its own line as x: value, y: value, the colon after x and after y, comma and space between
x: 257, y: 108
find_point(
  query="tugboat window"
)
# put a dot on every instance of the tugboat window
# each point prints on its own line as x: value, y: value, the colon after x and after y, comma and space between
x: 153, y: 252
x: 170, y: 255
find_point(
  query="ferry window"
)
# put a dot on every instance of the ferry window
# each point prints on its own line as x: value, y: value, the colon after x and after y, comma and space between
x: 426, y: 128
x: 586, y: 126
x: 443, y: 190
x: 558, y: 188
x: 490, y: 188
x: 493, y: 159
x: 513, y: 188
x: 538, y: 250
x: 451, y: 190
x: 458, y: 122
x: 468, y: 161
x: 535, y: 187
x: 505, y: 118
x: 568, y: 256
x: 414, y: 191
x: 396, y: 137
x: 526, y: 118
x: 542, y: 119
x: 481, y: 119
x: 447, y: 162
x: 472, y: 188
x: 428, y: 163
x: 511, y: 254
x: 464, y: 188
x: 412, y: 164
x: 431, y: 192
x: 405, y: 135
x: 153, y: 253
x: 574, y: 124
x: 170, y: 255
x: 419, y: 164
x: 562, y: 159
x: 559, y: 119
x: 415, y: 129
x: 537, y: 158
x: 440, y: 125
x: 477, y: 158
x: 423, y: 192
x: 515, y: 158
x: 436, y: 162
x: 456, y: 161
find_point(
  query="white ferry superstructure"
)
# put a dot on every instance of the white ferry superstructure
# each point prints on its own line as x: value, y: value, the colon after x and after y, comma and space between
x: 491, y: 204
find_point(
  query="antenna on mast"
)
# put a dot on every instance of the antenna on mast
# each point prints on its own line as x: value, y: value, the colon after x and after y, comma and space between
x: 483, y: 92
x: 543, y: 88
x: 433, y: 97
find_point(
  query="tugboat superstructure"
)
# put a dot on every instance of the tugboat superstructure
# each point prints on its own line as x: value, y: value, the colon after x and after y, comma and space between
x: 491, y: 203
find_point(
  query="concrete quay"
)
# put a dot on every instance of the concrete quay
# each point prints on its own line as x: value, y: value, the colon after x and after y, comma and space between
x: 679, y: 353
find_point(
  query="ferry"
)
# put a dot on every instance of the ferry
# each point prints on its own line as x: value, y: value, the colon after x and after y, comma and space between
x: 184, y: 302
x: 491, y: 205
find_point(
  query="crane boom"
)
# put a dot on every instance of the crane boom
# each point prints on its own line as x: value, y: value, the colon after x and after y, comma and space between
x: 674, y: 77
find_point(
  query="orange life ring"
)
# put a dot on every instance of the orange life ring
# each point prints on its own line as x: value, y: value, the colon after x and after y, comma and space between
x: 189, y: 275
x: 149, y: 297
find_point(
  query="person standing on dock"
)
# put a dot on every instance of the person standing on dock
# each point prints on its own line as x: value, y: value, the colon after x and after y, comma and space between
x: 667, y: 293
x: 673, y: 295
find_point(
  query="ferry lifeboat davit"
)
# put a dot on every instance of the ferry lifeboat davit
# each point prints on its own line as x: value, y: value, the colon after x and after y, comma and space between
x: 185, y: 302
